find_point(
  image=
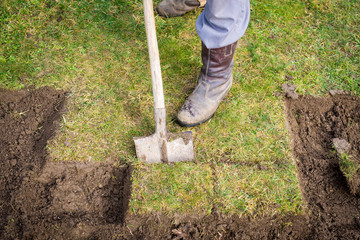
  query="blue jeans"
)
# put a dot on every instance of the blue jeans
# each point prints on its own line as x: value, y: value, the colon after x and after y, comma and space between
x: 223, y: 22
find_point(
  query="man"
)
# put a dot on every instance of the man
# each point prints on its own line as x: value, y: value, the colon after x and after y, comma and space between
x: 219, y: 26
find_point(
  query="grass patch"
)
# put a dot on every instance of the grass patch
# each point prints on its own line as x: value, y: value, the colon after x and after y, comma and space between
x: 257, y: 190
x: 348, y: 166
x: 97, y: 51
x: 185, y: 188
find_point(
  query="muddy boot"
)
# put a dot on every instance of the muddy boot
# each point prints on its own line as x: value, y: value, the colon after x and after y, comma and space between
x: 175, y: 8
x: 213, y: 85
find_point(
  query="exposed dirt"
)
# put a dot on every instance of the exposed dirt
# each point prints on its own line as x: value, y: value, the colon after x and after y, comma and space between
x: 313, y: 124
x: 52, y: 200
x: 216, y: 226
x: 41, y: 199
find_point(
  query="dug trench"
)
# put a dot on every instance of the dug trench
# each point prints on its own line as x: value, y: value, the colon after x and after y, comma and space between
x: 43, y: 199
x: 313, y: 123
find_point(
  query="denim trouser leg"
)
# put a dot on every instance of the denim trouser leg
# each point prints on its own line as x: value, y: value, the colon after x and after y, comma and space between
x: 223, y: 22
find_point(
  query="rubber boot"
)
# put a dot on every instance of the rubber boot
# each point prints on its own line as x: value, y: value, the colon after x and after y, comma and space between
x: 213, y: 85
x: 176, y: 8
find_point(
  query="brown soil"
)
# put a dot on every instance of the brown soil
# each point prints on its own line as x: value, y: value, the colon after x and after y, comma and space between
x: 313, y: 124
x: 41, y: 199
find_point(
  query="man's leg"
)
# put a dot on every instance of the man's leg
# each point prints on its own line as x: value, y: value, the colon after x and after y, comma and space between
x: 219, y: 26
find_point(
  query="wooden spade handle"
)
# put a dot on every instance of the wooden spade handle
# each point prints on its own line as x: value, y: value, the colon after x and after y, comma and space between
x: 156, y: 78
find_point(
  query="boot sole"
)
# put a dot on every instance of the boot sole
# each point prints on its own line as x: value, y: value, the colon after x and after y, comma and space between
x: 193, y: 124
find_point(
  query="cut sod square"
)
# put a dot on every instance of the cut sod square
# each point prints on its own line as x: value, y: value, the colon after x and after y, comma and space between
x: 181, y: 187
x: 257, y: 189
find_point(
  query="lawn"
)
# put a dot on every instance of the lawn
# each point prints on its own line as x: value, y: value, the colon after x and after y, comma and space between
x: 97, y: 51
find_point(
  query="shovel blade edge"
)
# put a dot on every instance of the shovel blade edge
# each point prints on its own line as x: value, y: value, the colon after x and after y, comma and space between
x: 147, y: 149
x: 179, y: 148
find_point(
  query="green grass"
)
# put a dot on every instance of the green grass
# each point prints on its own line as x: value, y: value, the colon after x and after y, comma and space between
x: 97, y: 51
x: 348, y: 166
x: 168, y: 188
x: 257, y: 190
